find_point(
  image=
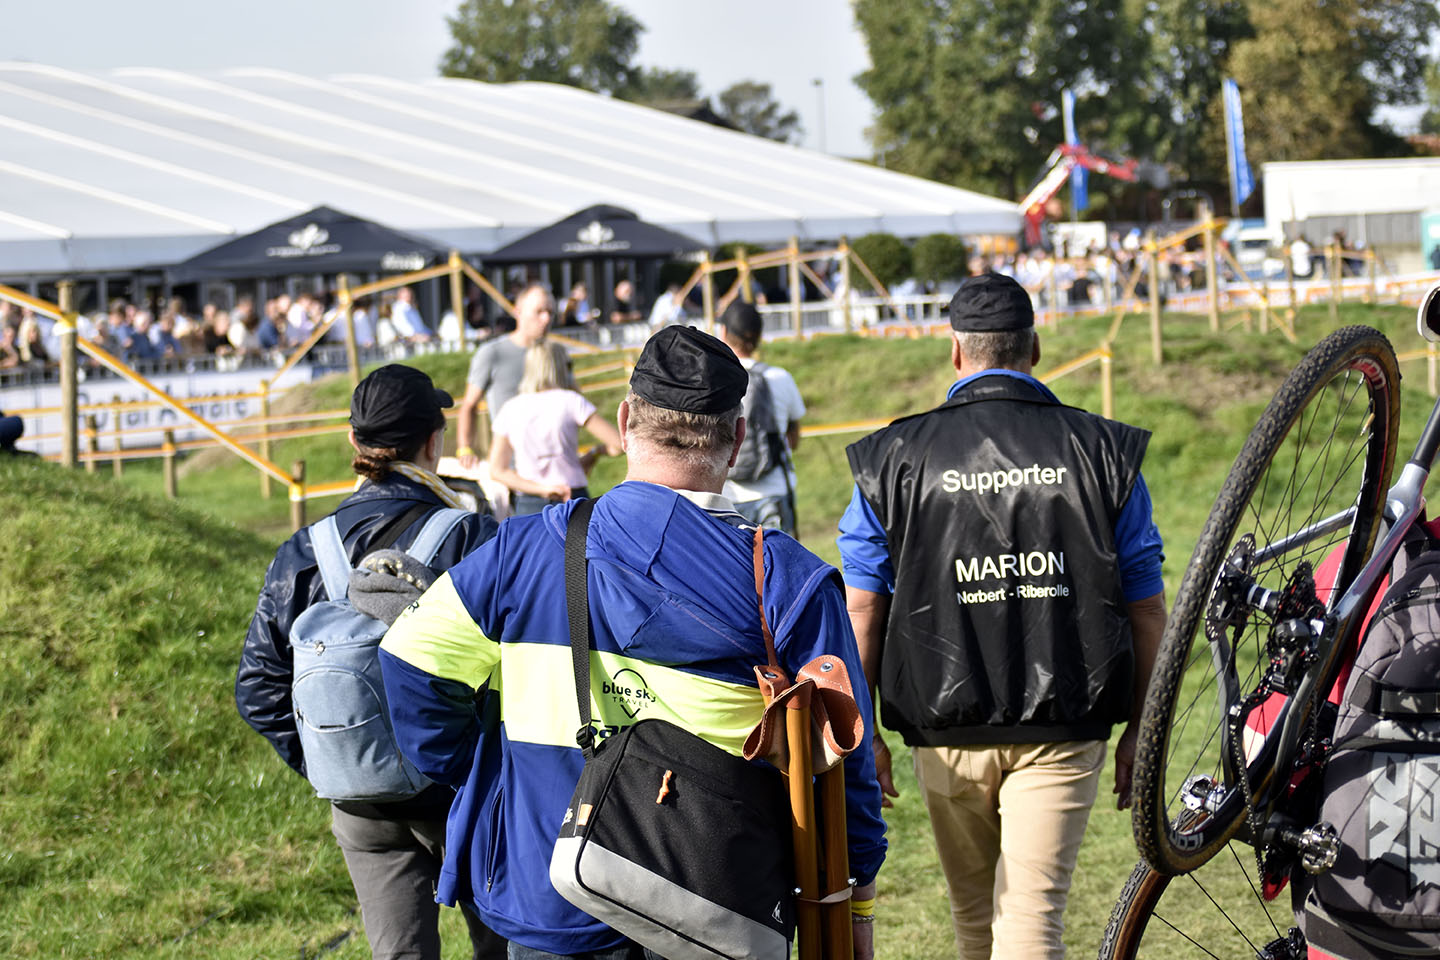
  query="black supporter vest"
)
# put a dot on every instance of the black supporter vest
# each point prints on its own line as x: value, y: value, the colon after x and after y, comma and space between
x: 1008, y: 624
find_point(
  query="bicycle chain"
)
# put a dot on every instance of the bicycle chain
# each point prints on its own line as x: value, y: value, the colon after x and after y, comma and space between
x: 1299, y: 600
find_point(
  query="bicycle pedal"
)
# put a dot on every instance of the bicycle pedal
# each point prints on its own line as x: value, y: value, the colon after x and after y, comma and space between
x: 1201, y: 794
x: 1318, y: 846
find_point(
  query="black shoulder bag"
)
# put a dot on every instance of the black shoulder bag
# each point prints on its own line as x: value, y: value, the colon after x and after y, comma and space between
x: 670, y: 840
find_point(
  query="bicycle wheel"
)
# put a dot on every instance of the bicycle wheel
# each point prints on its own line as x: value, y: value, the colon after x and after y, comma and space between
x: 1215, y: 912
x: 1322, y: 450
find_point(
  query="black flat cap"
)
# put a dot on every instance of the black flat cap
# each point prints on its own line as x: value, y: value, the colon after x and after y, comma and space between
x: 743, y: 320
x: 990, y: 303
x: 396, y: 406
x: 682, y: 368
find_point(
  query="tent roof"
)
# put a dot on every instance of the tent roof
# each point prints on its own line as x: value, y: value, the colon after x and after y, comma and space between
x: 132, y: 167
x: 598, y: 231
x: 320, y: 241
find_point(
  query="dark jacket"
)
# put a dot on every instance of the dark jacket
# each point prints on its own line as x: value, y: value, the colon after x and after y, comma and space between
x: 293, y: 583
x: 1008, y: 622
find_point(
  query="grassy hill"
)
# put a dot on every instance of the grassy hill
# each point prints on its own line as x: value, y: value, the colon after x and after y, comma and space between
x: 141, y: 818
x: 146, y: 820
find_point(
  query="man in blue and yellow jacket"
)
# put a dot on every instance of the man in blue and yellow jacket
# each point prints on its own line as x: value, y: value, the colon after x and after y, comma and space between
x: 676, y: 637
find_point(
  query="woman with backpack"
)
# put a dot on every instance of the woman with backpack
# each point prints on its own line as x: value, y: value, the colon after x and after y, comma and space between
x: 535, y: 449
x: 351, y: 574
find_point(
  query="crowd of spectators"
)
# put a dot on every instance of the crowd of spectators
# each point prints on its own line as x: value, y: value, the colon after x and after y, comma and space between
x: 148, y: 338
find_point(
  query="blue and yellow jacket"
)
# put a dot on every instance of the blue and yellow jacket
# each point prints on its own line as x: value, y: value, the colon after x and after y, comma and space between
x: 677, y: 636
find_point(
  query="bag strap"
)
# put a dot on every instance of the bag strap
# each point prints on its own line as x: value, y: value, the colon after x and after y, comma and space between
x: 577, y: 600
x: 334, y: 560
x: 771, y: 659
x: 332, y: 557
x: 434, y: 533
x: 389, y: 533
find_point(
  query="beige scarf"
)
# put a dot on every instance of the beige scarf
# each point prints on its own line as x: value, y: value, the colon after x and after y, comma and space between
x: 426, y: 479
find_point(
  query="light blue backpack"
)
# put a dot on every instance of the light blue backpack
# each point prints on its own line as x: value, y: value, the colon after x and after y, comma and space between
x: 338, y: 693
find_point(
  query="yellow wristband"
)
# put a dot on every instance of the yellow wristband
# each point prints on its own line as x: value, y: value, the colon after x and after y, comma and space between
x: 464, y: 452
x: 863, y: 908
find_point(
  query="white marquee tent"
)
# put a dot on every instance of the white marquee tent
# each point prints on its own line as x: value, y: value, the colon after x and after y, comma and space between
x: 129, y: 168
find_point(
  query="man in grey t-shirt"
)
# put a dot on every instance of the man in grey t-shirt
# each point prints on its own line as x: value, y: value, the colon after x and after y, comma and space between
x: 498, y: 366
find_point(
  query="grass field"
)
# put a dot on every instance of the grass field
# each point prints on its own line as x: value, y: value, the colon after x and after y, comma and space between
x: 145, y: 820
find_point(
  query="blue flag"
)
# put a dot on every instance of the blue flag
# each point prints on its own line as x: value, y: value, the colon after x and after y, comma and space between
x: 1079, y: 176
x: 1242, y: 181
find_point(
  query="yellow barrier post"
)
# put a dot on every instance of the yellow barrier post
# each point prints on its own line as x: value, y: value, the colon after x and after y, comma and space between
x: 1052, y: 282
x: 1332, y: 257
x: 796, y: 288
x: 707, y: 290
x: 1264, y: 303
x: 69, y: 377
x: 844, y: 291
x: 1211, y: 274
x: 743, y: 264
x: 1156, y: 351
x: 1373, y: 293
x: 92, y: 442
x: 457, y: 295
x: 1108, y: 271
x: 352, y: 349
x: 167, y: 451
x: 297, y: 495
x: 265, y: 425
x: 116, y: 463
x: 1107, y: 384
x: 1290, y: 283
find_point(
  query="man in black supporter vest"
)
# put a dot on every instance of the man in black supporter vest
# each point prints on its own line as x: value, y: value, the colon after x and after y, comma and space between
x: 1002, y: 573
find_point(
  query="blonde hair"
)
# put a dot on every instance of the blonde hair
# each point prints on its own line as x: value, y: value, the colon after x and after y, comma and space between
x: 699, y: 439
x: 547, y: 367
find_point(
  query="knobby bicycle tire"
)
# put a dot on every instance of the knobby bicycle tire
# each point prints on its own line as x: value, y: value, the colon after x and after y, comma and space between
x: 1220, y: 916
x: 1353, y: 355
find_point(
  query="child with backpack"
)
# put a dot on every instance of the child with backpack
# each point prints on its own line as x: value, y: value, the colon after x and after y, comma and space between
x: 309, y: 679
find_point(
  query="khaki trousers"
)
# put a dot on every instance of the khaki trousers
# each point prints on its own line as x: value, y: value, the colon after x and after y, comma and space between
x: 1008, y: 822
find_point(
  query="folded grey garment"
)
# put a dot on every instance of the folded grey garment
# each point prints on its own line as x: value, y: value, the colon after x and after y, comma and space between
x: 388, y: 581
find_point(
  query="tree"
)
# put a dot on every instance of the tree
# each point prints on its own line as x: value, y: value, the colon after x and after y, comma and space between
x: 886, y: 255
x: 968, y: 91
x: 752, y: 107
x: 1430, y: 121
x: 939, y: 257
x: 581, y: 43
x: 1313, y: 74
x: 661, y: 85
x: 1186, y: 50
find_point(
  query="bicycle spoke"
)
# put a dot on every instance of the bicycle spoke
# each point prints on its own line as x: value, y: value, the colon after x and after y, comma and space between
x: 1228, y: 919
x: 1246, y: 874
x: 1198, y: 945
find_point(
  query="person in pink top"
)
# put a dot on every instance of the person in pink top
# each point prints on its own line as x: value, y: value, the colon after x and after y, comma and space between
x: 535, y: 450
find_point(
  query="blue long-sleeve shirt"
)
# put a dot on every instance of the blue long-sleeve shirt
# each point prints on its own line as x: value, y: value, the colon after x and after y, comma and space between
x: 673, y: 595
x: 865, y: 551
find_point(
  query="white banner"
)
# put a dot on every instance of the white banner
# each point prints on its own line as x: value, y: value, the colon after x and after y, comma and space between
x: 220, y: 398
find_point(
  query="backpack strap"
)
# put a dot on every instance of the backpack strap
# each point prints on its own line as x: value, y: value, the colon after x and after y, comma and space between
x: 433, y: 534
x: 330, y: 554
